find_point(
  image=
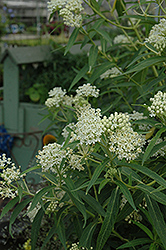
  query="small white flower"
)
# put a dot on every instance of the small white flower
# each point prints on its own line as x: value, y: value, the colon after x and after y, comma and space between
x: 50, y: 157
x: 122, y: 39
x: 56, y: 96
x: 158, y: 107
x: 157, y: 35
x: 88, y: 129
x: 123, y: 141
x: 110, y: 73
x: 70, y: 10
x: 87, y: 90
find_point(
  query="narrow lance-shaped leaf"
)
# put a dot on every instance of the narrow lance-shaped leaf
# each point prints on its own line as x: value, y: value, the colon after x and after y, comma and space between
x: 126, y: 193
x: 71, y: 40
x: 81, y: 74
x: 85, y: 240
x: 16, y: 212
x: 38, y: 196
x: 152, y: 144
x: 157, y: 219
x: 96, y: 174
x: 153, y: 193
x: 134, y: 243
x: 146, y: 63
x: 144, y: 228
x: 36, y: 226
x: 93, y: 53
x: 110, y: 218
x: 145, y: 171
x: 9, y: 206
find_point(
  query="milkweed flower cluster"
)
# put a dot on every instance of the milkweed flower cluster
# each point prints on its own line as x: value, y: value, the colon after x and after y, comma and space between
x: 50, y: 157
x: 110, y: 73
x: 135, y: 116
x: 122, y: 39
x: 10, y: 173
x: 122, y: 140
x: 87, y: 90
x: 70, y: 10
x: 56, y: 96
x: 157, y: 35
x: 158, y: 106
x: 88, y: 129
x: 75, y: 246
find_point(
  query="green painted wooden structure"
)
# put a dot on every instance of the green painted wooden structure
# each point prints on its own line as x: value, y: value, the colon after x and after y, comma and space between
x: 21, y: 118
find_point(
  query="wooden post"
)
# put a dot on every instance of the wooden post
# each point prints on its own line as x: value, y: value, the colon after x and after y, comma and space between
x: 11, y: 94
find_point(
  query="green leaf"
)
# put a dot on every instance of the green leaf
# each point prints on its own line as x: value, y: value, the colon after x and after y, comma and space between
x: 36, y: 226
x: 100, y: 70
x: 85, y: 240
x: 152, y: 144
x: 110, y: 218
x: 93, y: 53
x: 157, y: 147
x: 138, y: 58
x: 81, y: 74
x: 20, y: 193
x: 126, y: 193
x: 50, y: 177
x: 153, y: 193
x: 38, y: 196
x: 127, y: 209
x: 92, y: 33
x: 104, y: 35
x: 71, y: 40
x: 16, y: 212
x: 102, y: 184
x: 96, y: 174
x: 147, y: 63
x: 134, y: 243
x: 49, y: 236
x: 157, y: 219
x: 30, y: 169
x: 145, y: 171
x: 61, y: 232
x: 93, y: 203
x: 95, y: 4
x: 9, y: 206
x: 144, y: 228
x: 120, y: 7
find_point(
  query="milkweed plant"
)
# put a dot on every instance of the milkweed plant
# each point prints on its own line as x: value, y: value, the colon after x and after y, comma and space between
x: 104, y: 179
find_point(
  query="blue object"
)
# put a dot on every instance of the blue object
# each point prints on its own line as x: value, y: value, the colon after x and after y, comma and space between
x: 6, y: 141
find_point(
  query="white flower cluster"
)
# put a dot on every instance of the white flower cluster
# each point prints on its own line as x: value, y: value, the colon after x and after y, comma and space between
x: 88, y: 129
x: 75, y: 160
x: 110, y: 73
x: 135, y: 216
x: 123, y: 141
x: 158, y: 107
x: 70, y: 10
x: 157, y: 35
x: 9, y: 174
x: 87, y: 90
x: 50, y: 157
x: 52, y: 207
x: 56, y: 96
x: 33, y: 212
x: 161, y: 151
x: 122, y: 39
x: 75, y: 246
x: 135, y: 116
